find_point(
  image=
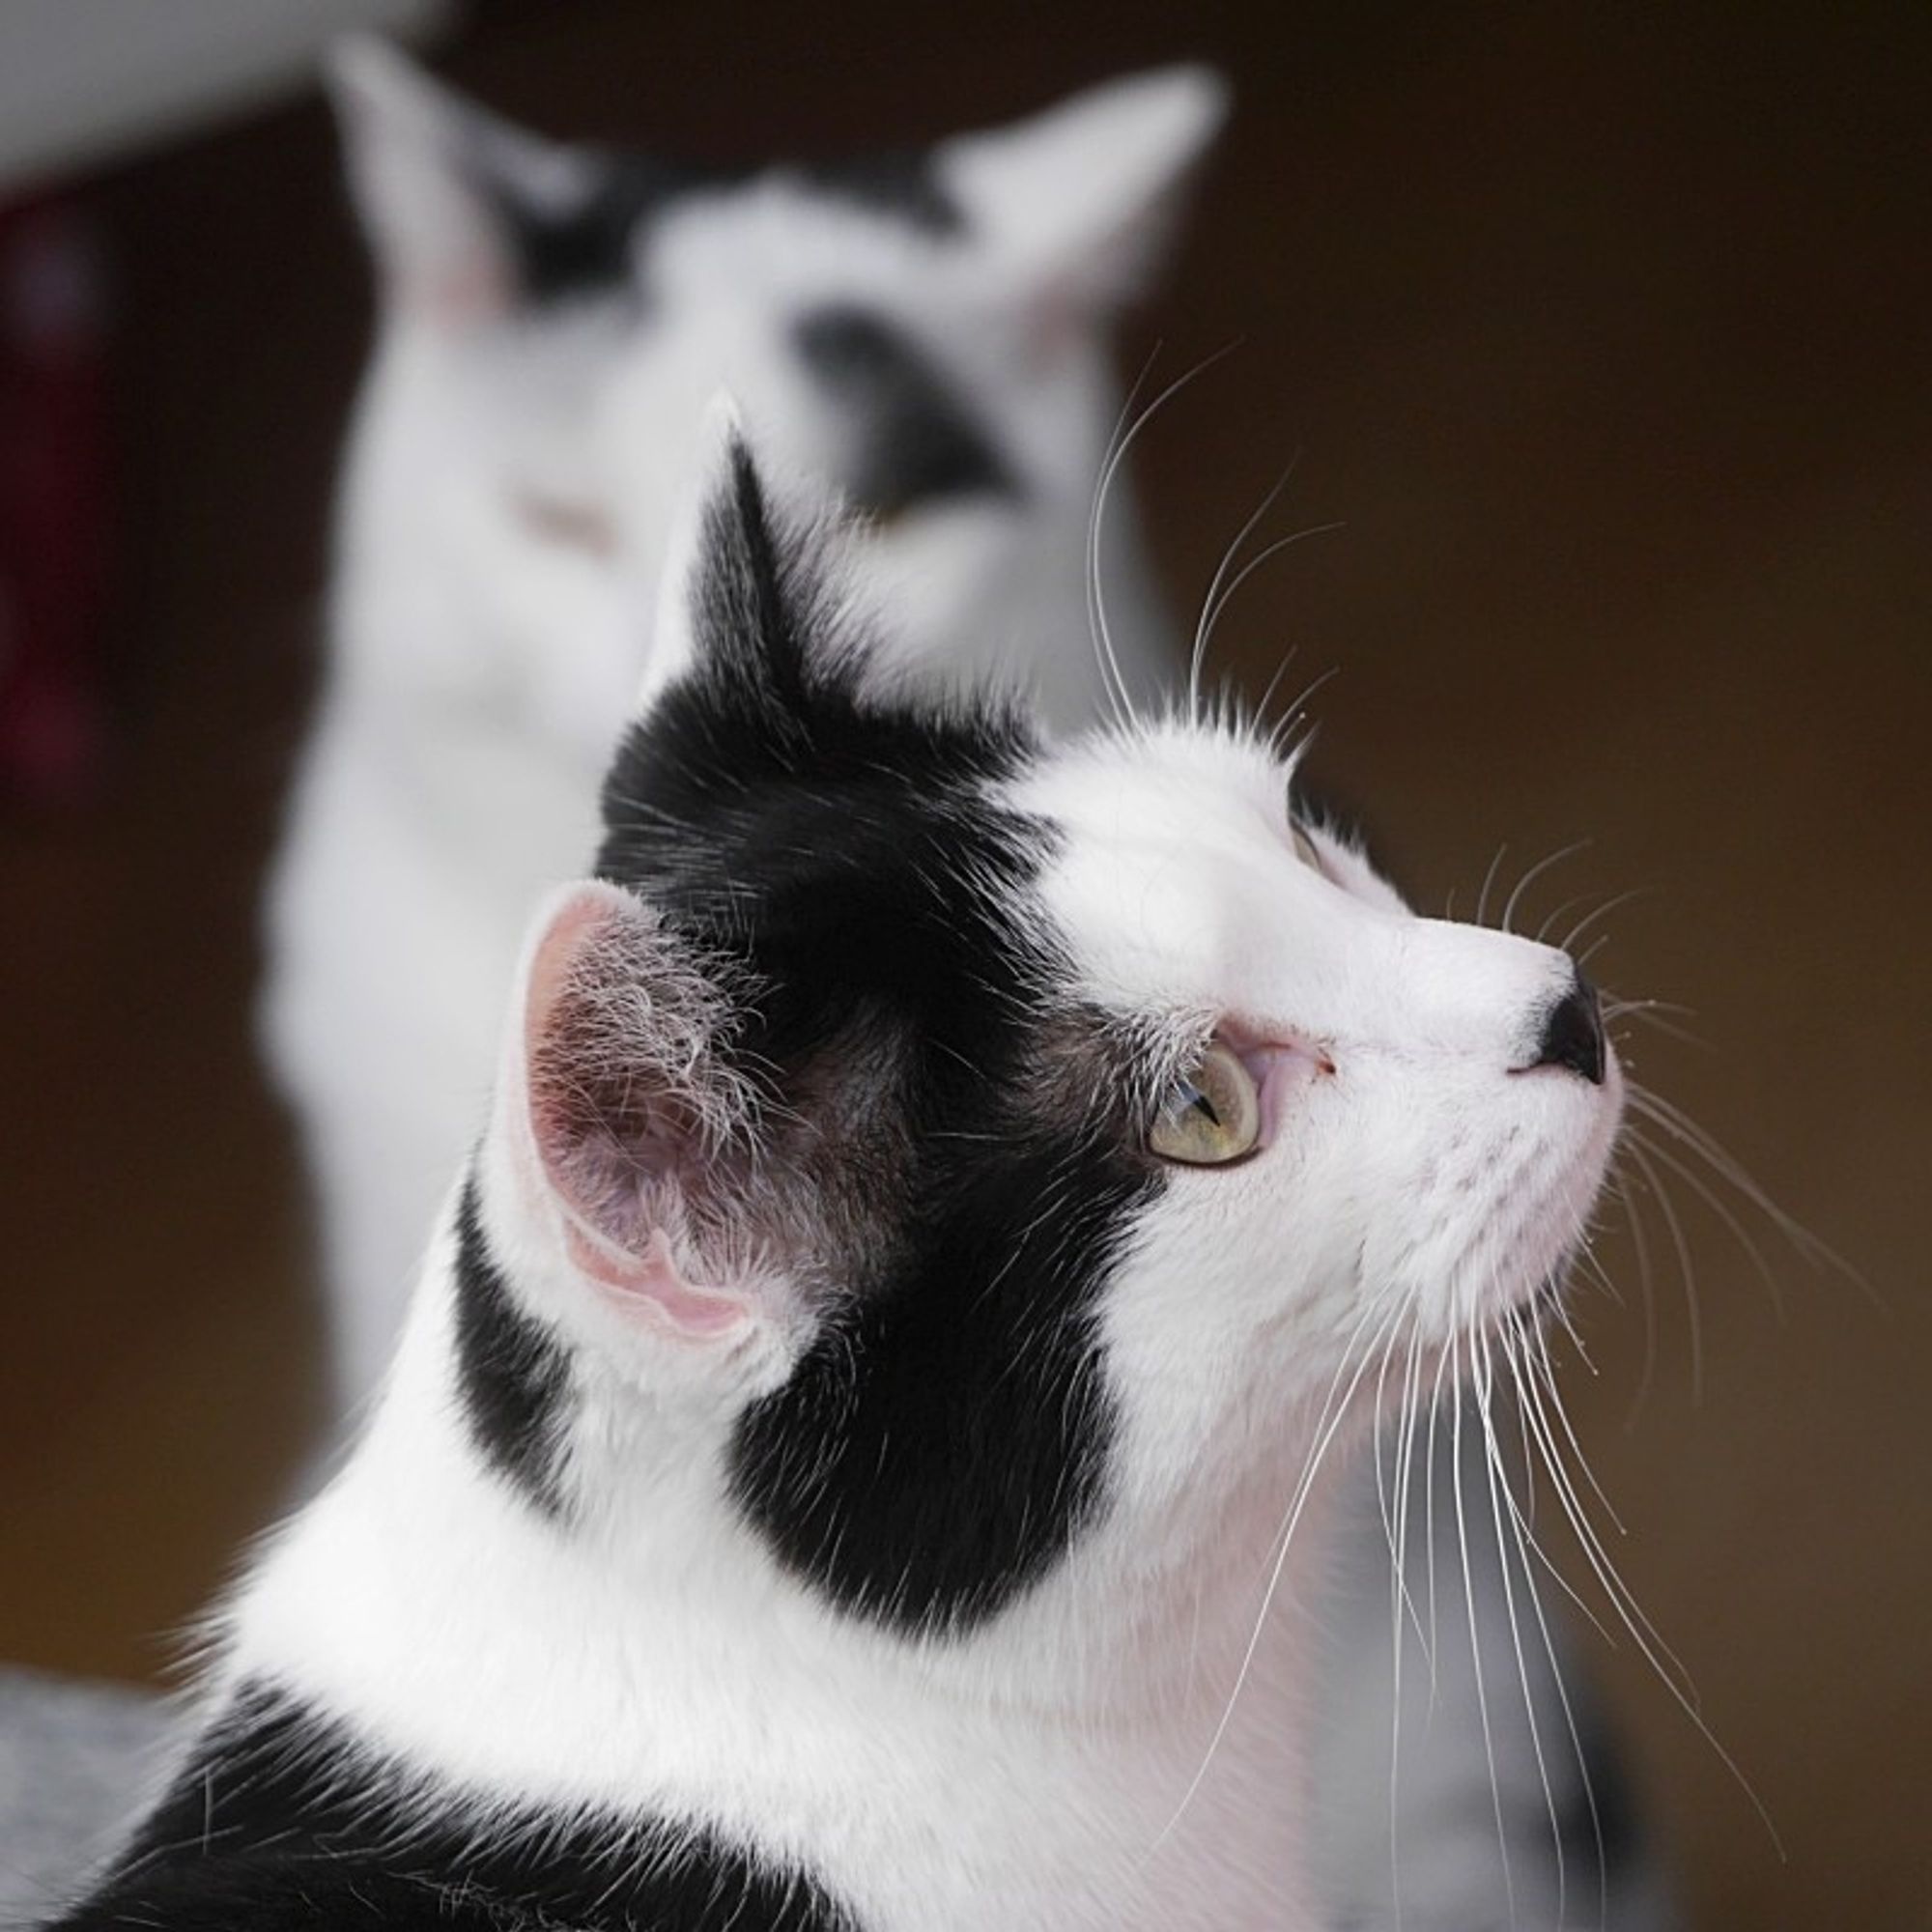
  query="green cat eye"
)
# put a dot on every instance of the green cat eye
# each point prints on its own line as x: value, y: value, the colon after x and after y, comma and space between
x: 1212, y: 1114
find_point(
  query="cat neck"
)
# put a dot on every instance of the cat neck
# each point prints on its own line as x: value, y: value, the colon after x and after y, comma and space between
x: 651, y: 1654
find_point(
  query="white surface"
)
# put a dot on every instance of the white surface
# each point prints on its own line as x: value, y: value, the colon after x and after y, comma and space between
x: 82, y: 80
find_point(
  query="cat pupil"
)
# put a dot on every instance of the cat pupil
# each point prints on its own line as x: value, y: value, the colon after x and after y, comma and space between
x: 1196, y: 1099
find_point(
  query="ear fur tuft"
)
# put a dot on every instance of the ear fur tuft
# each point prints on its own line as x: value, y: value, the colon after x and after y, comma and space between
x: 744, y: 594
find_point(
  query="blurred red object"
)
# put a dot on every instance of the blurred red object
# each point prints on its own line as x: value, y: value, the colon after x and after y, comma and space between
x: 53, y: 500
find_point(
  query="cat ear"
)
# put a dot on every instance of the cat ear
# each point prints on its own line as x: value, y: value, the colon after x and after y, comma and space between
x: 741, y: 592
x: 437, y: 181
x: 1085, y: 197
x: 619, y: 1126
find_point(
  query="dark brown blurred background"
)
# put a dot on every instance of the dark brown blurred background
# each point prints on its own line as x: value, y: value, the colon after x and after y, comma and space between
x: 1606, y: 331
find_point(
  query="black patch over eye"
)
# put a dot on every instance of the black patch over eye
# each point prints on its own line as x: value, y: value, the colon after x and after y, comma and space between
x: 913, y: 442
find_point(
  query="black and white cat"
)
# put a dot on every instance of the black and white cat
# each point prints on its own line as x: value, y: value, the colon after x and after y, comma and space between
x: 928, y: 333
x: 947, y: 1195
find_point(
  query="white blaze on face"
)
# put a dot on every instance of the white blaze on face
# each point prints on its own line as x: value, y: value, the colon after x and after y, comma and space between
x: 1417, y: 1174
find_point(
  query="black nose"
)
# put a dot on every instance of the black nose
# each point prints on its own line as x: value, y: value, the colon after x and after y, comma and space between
x: 1572, y: 1033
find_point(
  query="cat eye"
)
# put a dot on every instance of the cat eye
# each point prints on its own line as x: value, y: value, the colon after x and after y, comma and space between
x: 1304, y: 847
x: 1212, y: 1114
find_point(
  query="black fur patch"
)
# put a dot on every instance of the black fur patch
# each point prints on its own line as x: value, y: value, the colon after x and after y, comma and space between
x: 585, y: 250
x: 281, y: 1819
x: 590, y: 250
x: 514, y: 1379
x: 947, y: 1438
x: 900, y: 181
x: 914, y: 442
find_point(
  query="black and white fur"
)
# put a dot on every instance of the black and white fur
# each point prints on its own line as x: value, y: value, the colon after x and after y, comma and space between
x: 926, y: 330
x: 836, y: 1473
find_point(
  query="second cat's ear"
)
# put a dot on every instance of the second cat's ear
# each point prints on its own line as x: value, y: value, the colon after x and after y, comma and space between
x: 1082, y: 200
x: 437, y: 181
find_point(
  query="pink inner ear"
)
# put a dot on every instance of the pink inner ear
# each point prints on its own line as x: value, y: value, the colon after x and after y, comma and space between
x: 653, y: 1283
x: 601, y: 1127
x: 572, y: 927
x: 601, y: 1124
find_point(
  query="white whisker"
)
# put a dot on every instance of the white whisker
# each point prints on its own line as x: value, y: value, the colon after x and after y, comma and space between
x: 1603, y: 911
x: 1476, y: 1647
x: 1399, y: 1594
x: 1640, y: 1244
x: 1705, y: 1193
x: 1296, y: 714
x: 1328, y: 1423
x: 1674, y: 1121
x: 1484, y: 1376
x: 1634, y: 1146
x: 1512, y: 1335
x: 1488, y: 880
x: 1121, y: 699
x: 1549, y: 919
x: 1629, y: 1613
x: 1535, y: 872
x: 1204, y: 624
x: 1213, y: 616
x: 1554, y: 1391
x: 1644, y: 1634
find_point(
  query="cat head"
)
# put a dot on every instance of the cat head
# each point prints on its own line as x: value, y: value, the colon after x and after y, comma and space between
x: 923, y: 331
x: 970, y: 1152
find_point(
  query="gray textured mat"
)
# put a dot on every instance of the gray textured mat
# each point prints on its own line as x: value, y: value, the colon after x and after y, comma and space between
x: 75, y: 1761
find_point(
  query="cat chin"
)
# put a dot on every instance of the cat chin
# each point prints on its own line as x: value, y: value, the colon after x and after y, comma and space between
x: 1534, y: 1232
